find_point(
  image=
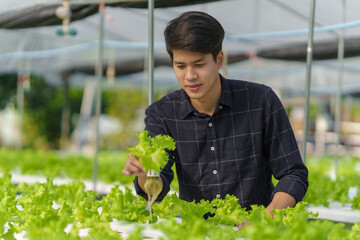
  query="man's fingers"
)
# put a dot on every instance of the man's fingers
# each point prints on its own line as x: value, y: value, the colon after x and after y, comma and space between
x: 131, y: 157
x: 131, y: 171
x: 242, y: 224
x: 136, y: 163
x: 133, y: 167
x: 126, y: 172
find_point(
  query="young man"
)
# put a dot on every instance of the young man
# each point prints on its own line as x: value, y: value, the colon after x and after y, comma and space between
x: 231, y: 136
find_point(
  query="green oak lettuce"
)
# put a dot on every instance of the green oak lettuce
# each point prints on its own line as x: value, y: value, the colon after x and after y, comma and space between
x: 152, y: 150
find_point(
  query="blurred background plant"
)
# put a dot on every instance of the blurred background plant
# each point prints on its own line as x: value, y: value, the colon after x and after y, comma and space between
x: 44, y: 105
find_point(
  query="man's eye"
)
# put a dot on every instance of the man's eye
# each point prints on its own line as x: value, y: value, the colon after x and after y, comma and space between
x: 199, y: 65
x: 180, y: 66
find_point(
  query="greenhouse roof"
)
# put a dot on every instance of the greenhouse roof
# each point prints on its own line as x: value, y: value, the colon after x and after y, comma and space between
x: 256, y: 31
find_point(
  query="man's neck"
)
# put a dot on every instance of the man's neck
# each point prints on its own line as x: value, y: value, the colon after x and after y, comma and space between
x: 207, y: 106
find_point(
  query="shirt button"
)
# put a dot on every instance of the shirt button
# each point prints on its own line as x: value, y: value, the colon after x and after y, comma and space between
x: 210, y: 124
x: 220, y: 107
x: 214, y: 172
x: 217, y: 195
x: 212, y: 148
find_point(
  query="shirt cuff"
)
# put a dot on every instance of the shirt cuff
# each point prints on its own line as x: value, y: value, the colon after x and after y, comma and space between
x: 293, y: 187
x: 165, y: 190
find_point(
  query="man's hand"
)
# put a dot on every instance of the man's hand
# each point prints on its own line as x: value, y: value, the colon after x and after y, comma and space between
x: 133, y: 167
x: 280, y: 200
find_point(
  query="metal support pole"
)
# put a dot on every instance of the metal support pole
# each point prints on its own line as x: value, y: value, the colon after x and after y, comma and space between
x: 99, y: 74
x: 339, y: 86
x: 20, y: 104
x: 308, y: 76
x: 66, y: 112
x: 22, y: 68
x: 151, y: 50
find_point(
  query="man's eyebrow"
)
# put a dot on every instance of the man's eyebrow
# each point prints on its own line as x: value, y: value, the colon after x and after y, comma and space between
x: 196, y: 61
x: 199, y: 60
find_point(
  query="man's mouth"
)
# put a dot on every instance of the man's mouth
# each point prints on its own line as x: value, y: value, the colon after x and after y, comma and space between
x: 194, y: 87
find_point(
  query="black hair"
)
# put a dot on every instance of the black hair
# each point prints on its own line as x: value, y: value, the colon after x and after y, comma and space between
x: 194, y: 31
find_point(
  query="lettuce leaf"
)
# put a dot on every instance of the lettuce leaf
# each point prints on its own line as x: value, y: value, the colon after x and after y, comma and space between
x: 152, y: 150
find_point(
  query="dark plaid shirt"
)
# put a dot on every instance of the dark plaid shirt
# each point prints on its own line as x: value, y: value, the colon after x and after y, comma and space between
x: 235, y: 151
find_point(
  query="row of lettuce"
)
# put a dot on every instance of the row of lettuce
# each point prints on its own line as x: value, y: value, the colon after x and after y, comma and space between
x: 326, y: 183
x: 48, y: 211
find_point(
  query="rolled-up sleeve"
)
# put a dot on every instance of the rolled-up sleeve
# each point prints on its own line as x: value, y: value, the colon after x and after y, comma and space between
x: 166, y: 175
x: 154, y: 127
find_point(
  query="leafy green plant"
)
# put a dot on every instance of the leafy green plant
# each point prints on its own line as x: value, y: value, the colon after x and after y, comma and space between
x: 73, y: 166
x: 48, y: 211
x: 152, y: 150
x: 325, y: 188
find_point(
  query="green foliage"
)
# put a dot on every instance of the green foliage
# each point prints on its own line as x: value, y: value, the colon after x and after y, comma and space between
x: 171, y: 206
x: 43, y: 106
x: 8, y: 86
x: 355, y: 231
x: 197, y: 229
x: 137, y: 234
x: 128, y: 105
x: 355, y: 111
x: 151, y: 150
x: 31, y: 208
x: 324, y: 189
x: 290, y: 223
x: 356, y: 202
x: 124, y: 206
x: 314, y: 109
x: 228, y: 212
x: 73, y: 166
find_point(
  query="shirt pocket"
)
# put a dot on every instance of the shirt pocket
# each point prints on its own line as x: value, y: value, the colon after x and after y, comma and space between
x: 236, y: 148
x: 246, y: 157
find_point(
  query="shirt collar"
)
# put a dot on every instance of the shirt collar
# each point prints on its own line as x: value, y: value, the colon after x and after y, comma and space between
x: 185, y: 107
x: 225, y: 100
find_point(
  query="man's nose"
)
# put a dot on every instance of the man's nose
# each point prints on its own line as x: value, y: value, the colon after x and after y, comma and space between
x: 190, y: 74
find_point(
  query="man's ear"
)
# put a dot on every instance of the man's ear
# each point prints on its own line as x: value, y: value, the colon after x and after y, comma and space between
x: 220, y: 59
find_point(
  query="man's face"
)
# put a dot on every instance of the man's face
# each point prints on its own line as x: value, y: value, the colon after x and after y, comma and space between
x: 198, y: 73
